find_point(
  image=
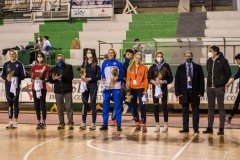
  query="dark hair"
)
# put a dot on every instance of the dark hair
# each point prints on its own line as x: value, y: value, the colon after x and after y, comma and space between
x: 43, y: 55
x: 237, y: 56
x: 159, y: 52
x: 136, y: 39
x: 188, y: 52
x: 36, y: 40
x: 46, y: 37
x: 94, y: 59
x: 215, y: 48
x: 128, y: 50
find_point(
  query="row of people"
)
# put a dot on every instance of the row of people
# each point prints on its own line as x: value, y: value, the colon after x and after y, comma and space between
x: 117, y: 78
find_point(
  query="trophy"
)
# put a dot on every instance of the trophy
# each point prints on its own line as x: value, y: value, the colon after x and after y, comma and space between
x: 10, y: 72
x: 115, y: 74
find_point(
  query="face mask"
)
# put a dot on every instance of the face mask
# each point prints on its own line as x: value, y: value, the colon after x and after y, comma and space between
x: 210, y: 54
x: 60, y: 63
x: 189, y: 60
x: 38, y: 39
x: 89, y: 55
x: 40, y: 59
x: 159, y: 60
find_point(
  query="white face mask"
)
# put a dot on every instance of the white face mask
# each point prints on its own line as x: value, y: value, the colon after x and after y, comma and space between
x: 40, y: 59
x: 159, y: 60
x: 210, y: 54
x: 38, y: 39
x: 89, y: 55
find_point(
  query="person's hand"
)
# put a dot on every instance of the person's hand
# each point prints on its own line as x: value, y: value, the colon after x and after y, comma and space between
x: 227, y: 87
x: 85, y: 79
x: 32, y: 80
x: 115, y: 79
x: 178, y: 97
x: 161, y: 82
x: 9, y: 78
x: 145, y: 93
x: 53, y: 76
x: 103, y: 80
x: 154, y: 82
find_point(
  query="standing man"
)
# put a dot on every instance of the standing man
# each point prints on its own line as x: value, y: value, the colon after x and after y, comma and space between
x: 189, y: 87
x: 13, y: 73
x: 112, y: 75
x: 61, y: 77
x: 219, y: 73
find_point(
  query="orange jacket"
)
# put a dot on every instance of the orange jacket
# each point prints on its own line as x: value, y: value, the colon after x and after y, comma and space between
x: 140, y: 75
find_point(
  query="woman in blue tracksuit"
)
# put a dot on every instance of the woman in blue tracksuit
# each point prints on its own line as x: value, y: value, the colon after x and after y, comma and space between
x: 93, y: 74
x: 112, y: 90
x: 13, y: 69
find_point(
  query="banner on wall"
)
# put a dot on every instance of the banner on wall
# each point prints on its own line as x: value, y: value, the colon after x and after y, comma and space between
x: 16, y: 5
x: 31, y: 5
x: 92, y: 8
x: 26, y: 93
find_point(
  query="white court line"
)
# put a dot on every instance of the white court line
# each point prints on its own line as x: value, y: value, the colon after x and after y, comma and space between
x: 31, y: 150
x: 225, y: 155
x: 103, y: 150
x: 183, y: 148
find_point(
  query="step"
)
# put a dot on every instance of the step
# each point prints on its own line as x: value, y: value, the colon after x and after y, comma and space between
x: 123, y: 26
x: 222, y: 32
x: 102, y: 35
x: 227, y: 15
x: 223, y: 24
x: 123, y: 18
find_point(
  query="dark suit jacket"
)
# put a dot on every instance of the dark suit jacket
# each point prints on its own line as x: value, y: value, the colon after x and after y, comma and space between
x: 197, y: 84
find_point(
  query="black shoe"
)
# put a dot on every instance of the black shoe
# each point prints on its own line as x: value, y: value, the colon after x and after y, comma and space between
x: 71, y: 127
x: 208, y: 131
x: 44, y: 126
x: 60, y: 127
x: 196, y: 131
x: 104, y: 128
x: 119, y: 128
x: 184, y: 131
x: 220, y: 131
x: 39, y: 126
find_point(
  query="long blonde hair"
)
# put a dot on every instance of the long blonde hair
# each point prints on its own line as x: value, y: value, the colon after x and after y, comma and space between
x: 131, y: 66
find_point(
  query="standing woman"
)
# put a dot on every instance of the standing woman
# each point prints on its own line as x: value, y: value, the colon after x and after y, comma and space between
x: 137, y: 81
x: 37, y: 47
x: 93, y: 74
x: 40, y: 74
x: 160, y: 68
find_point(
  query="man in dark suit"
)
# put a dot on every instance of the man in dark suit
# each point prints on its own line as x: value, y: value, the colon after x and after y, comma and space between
x: 189, y: 87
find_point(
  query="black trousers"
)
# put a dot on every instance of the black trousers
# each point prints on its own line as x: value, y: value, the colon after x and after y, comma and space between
x: 138, y: 93
x: 12, y: 100
x: 92, y: 91
x: 236, y: 105
x: 164, y: 105
x: 195, y: 112
x: 40, y: 105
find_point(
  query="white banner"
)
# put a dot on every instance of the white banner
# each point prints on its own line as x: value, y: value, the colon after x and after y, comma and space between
x: 94, y: 12
x: 26, y: 93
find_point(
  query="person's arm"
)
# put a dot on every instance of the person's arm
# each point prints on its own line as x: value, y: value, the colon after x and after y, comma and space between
x: 227, y: 70
x: 103, y: 74
x: 52, y: 75
x: 169, y: 75
x: 146, y: 79
x: 201, y: 81
x: 22, y: 72
x: 128, y: 81
x: 176, y: 85
x: 4, y: 74
x: 121, y: 72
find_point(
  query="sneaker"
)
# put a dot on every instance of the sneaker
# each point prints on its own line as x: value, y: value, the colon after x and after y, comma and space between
x: 165, y: 129
x: 9, y: 125
x: 119, y: 128
x: 44, y: 126
x: 103, y: 128
x: 138, y: 127
x: 114, y: 122
x: 60, y: 127
x: 220, y: 131
x: 71, y: 127
x: 15, y: 124
x: 39, y: 126
x: 93, y: 127
x: 228, y: 120
x: 83, y: 126
x: 125, y: 109
x: 144, y: 128
x: 157, y: 128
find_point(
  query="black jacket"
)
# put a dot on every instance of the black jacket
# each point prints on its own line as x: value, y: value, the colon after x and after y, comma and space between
x: 219, y: 72
x: 197, y: 84
x: 94, y: 74
x: 65, y: 84
x: 153, y: 74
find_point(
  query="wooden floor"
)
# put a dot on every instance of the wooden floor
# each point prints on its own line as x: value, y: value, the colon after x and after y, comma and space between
x: 27, y: 143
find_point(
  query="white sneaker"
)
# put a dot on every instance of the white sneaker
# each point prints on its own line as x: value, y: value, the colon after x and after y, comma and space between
x: 165, y: 129
x: 125, y: 109
x: 83, y: 126
x: 157, y: 128
x: 15, y: 124
x: 93, y: 127
x: 10, y: 124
